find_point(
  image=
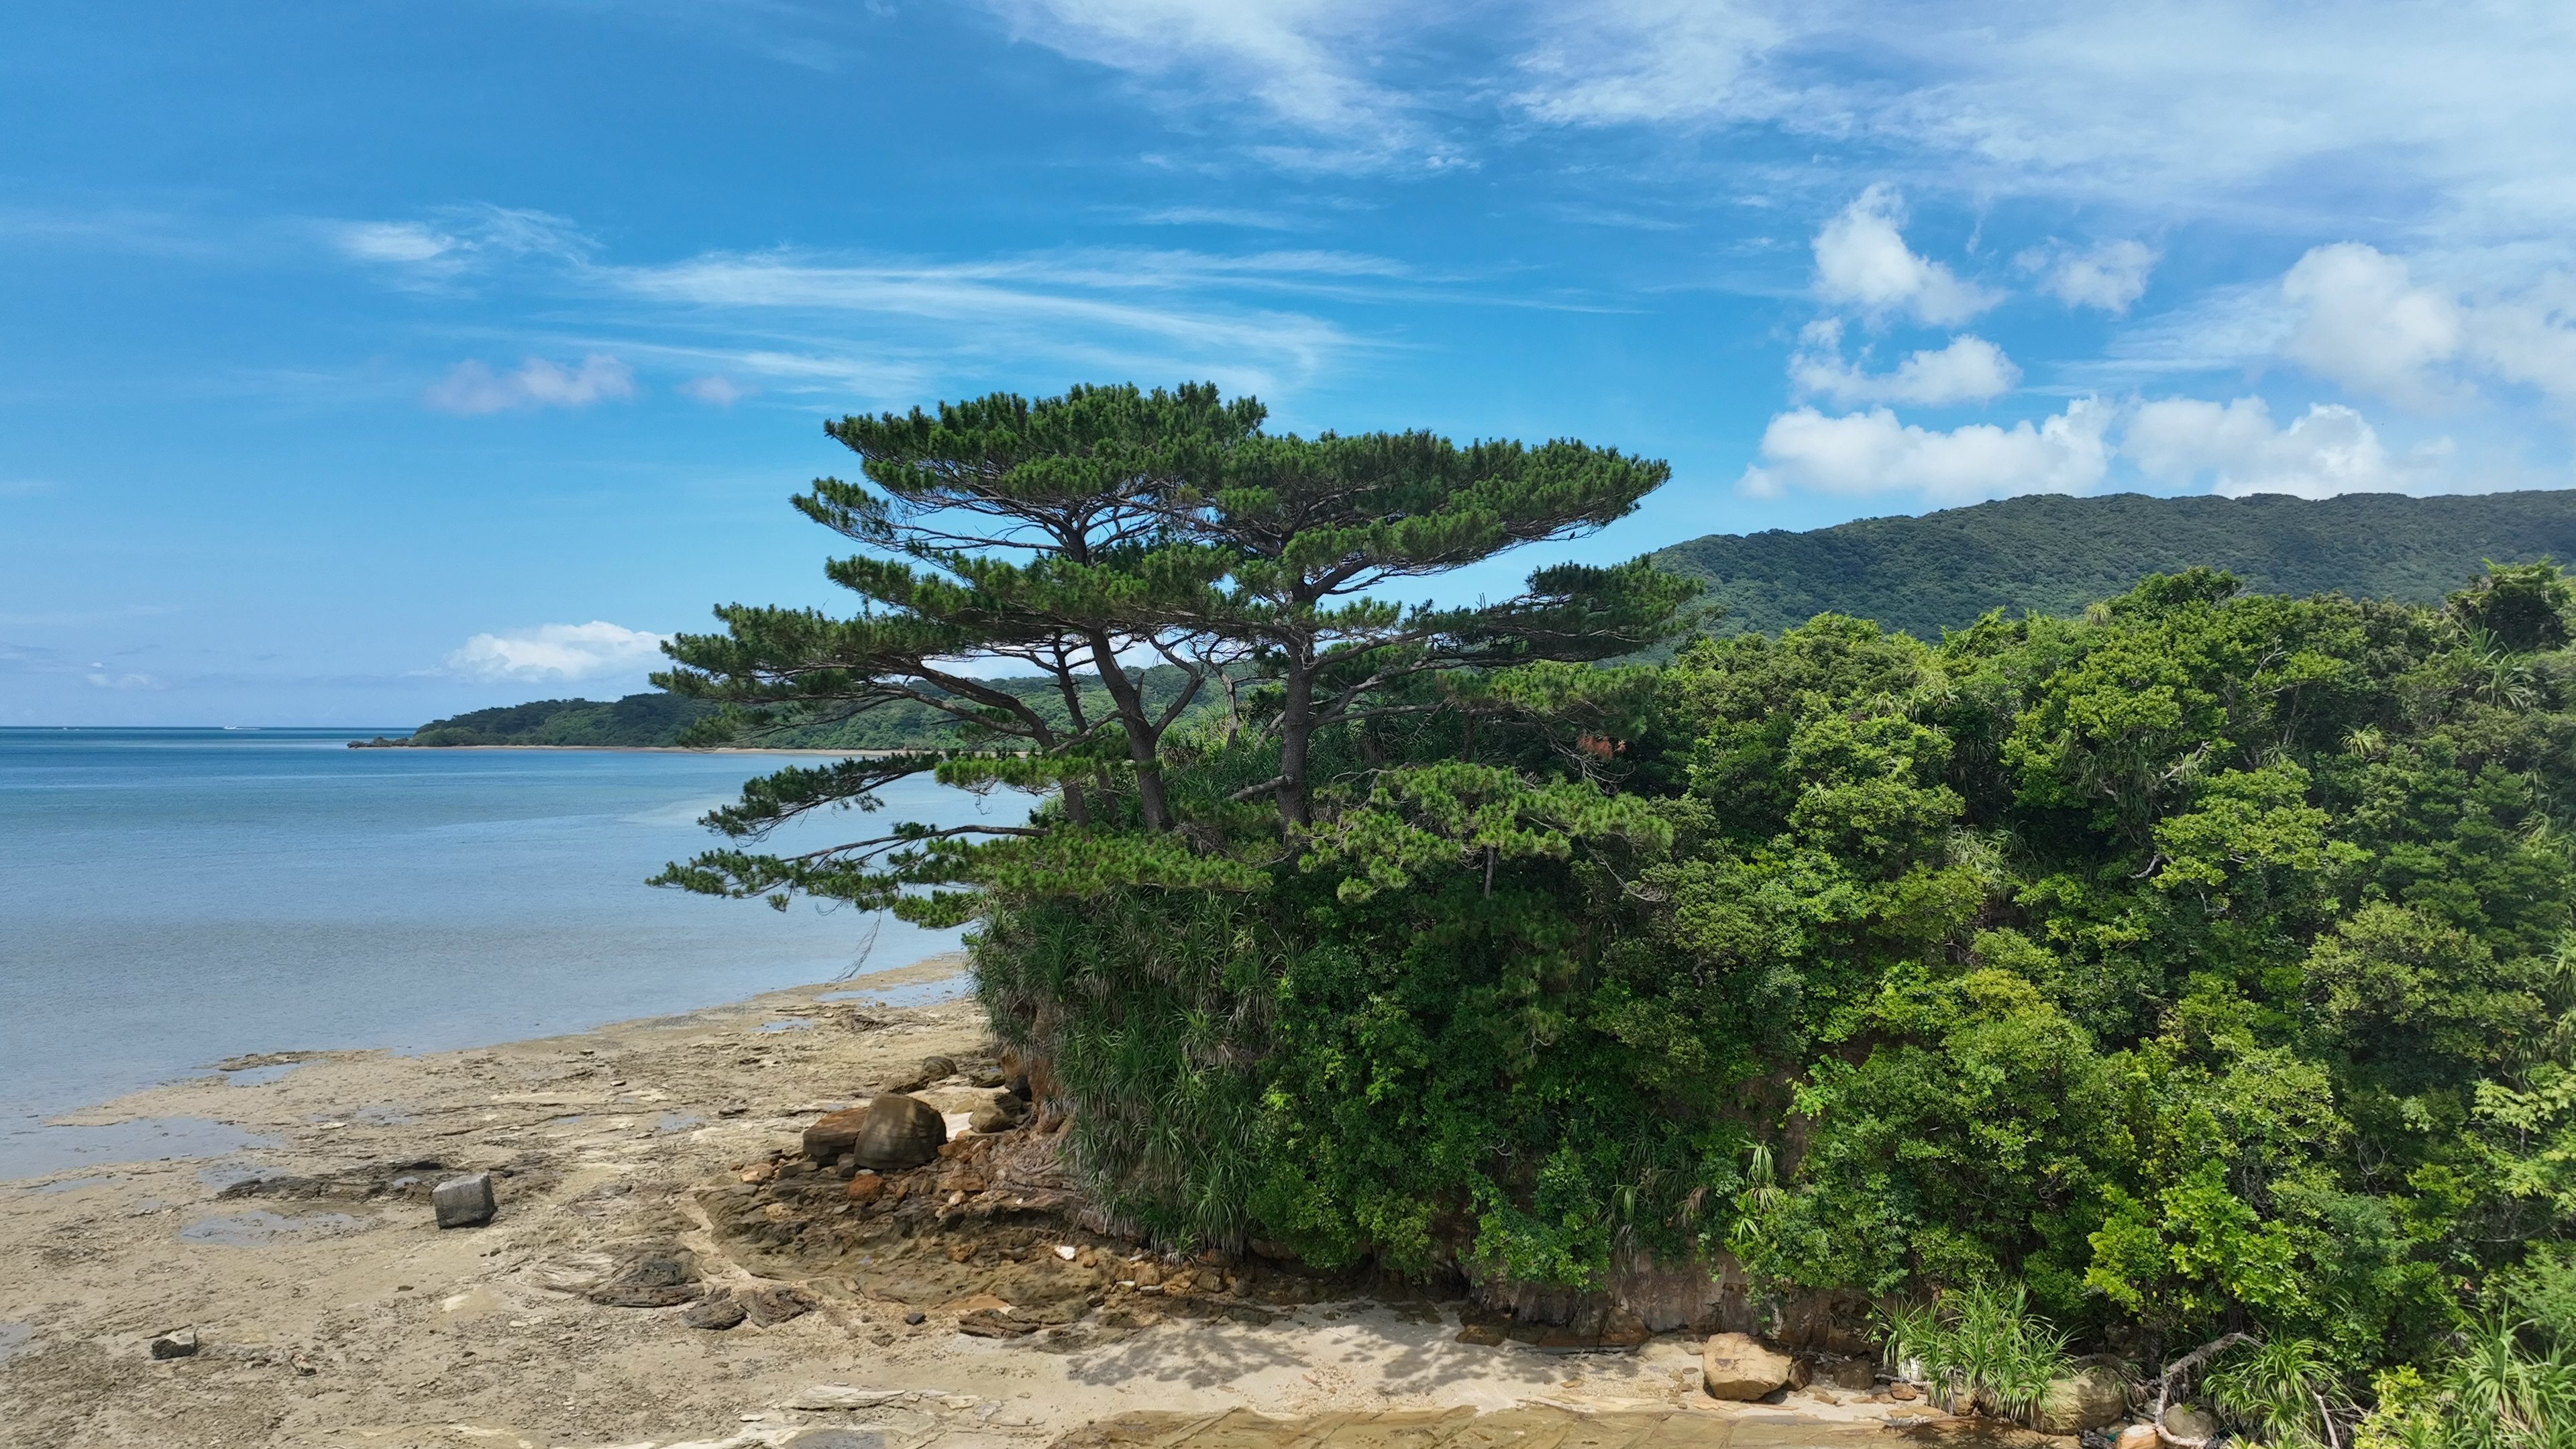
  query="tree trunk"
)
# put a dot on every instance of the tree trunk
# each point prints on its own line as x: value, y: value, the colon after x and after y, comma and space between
x: 1141, y: 738
x: 1296, y: 732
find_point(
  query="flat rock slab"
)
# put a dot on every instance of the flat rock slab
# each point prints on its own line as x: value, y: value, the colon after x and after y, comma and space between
x: 1535, y: 1428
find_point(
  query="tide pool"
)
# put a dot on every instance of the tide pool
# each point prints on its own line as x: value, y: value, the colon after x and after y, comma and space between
x: 170, y: 898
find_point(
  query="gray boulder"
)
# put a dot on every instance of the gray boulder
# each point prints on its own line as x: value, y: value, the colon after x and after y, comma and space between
x: 896, y: 1132
x: 463, y: 1202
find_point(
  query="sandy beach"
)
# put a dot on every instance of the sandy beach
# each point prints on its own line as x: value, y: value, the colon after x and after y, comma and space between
x: 327, y: 1309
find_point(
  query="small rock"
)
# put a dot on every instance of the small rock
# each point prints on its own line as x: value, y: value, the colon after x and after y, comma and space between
x: 1483, y: 1335
x: 983, y: 1076
x: 1856, y: 1375
x: 1905, y: 1392
x: 768, y: 1306
x: 651, y: 1282
x: 2137, y: 1436
x: 720, y: 1312
x: 1739, y: 1367
x: 2185, y: 1421
x: 993, y: 1323
x: 178, y: 1343
x: 864, y: 1187
x: 916, y: 1318
x: 1066, y: 1251
x: 463, y: 1202
x: 733, y: 1109
x: 936, y: 1068
x: 990, y: 1120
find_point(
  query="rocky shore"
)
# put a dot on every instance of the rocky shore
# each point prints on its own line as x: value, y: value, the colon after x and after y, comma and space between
x: 669, y: 1264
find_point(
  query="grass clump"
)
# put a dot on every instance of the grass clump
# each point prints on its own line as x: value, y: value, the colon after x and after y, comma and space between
x: 1980, y: 1348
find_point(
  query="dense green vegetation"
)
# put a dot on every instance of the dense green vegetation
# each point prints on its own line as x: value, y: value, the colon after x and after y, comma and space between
x: 2054, y: 555
x: 2195, y: 966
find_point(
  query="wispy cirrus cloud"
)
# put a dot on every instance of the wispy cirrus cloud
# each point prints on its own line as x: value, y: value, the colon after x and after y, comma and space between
x: 1156, y: 310
x: 1298, y: 61
x: 450, y: 242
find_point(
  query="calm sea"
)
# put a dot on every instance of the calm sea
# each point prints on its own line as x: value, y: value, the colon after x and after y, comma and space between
x: 169, y: 898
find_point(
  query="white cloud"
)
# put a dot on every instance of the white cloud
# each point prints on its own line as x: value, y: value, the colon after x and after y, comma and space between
x: 1872, y: 453
x: 558, y: 652
x: 2330, y: 450
x: 1969, y: 369
x: 2109, y: 276
x: 102, y: 680
x: 2364, y: 323
x: 2532, y: 338
x: 474, y: 388
x: 1862, y: 260
x: 716, y: 391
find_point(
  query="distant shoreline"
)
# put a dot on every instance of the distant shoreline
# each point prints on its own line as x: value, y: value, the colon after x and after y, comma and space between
x: 632, y: 749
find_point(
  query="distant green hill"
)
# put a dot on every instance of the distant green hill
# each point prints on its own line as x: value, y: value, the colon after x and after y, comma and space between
x: 2038, y: 555
x: 653, y: 718
x: 2054, y: 555
x: 643, y: 720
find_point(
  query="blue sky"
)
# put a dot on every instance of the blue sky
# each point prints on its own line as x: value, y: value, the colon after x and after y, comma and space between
x: 361, y: 362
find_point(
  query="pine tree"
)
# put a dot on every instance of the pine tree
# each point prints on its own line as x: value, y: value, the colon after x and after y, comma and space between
x: 1118, y: 538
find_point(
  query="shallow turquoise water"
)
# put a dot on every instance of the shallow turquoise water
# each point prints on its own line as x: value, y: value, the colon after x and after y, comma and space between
x: 169, y: 898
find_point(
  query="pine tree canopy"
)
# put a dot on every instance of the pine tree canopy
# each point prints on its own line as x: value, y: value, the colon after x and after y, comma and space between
x: 1091, y: 537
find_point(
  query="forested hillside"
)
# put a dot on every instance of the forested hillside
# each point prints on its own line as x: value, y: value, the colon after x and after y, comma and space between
x: 652, y: 718
x: 2054, y: 555
x: 656, y: 719
x: 2045, y: 555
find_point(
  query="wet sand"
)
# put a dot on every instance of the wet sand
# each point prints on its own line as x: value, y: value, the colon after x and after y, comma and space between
x: 330, y: 1311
